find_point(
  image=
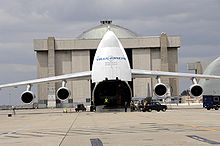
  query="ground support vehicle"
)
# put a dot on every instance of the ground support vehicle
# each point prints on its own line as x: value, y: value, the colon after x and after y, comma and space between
x: 80, y: 107
x: 154, y: 106
x: 92, y: 108
x: 211, y: 102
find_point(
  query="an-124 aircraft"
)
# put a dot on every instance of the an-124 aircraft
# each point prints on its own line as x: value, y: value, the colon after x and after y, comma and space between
x: 111, y: 72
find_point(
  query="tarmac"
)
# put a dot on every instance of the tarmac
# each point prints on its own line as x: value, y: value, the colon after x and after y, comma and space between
x: 179, y: 125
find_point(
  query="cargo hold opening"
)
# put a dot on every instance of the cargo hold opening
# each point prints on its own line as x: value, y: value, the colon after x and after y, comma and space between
x: 113, y: 93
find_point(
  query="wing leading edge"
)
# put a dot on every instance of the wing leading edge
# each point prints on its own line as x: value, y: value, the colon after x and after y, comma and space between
x: 137, y: 73
x: 72, y: 76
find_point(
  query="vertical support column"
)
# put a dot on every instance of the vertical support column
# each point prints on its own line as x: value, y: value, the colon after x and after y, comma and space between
x: 198, y: 68
x: 164, y: 56
x: 51, y: 71
x: 163, y: 52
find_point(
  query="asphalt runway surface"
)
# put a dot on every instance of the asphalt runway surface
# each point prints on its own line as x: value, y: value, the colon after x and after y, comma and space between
x: 52, y: 127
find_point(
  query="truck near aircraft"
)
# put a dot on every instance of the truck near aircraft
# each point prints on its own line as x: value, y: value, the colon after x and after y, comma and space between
x: 211, y: 102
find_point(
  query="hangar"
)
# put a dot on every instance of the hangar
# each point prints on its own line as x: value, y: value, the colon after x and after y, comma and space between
x: 211, y: 87
x: 63, y: 56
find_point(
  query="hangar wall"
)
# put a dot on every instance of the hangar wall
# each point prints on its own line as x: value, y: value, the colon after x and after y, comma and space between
x: 81, y: 62
x: 73, y: 55
x: 141, y: 60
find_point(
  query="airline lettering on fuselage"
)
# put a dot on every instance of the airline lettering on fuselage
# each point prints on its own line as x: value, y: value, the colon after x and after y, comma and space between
x: 110, y: 58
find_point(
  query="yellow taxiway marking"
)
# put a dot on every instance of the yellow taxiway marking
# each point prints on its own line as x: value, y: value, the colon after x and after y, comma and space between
x: 198, y: 127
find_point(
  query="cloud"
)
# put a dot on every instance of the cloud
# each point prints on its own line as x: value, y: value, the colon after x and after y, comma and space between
x: 17, y: 52
x: 7, y: 19
x: 199, y: 51
x: 18, y: 68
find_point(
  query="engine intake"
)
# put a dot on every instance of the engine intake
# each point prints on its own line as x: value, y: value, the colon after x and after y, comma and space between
x: 27, y: 96
x: 160, y: 89
x: 63, y: 93
x: 196, y: 90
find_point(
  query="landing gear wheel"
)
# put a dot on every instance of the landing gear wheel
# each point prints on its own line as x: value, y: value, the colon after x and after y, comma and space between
x: 163, y: 109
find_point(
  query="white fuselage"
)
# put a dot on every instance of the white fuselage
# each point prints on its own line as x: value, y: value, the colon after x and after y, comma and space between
x: 111, y: 71
x: 111, y: 61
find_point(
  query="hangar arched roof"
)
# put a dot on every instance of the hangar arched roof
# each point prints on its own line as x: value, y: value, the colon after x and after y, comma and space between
x: 211, y: 87
x: 99, y: 31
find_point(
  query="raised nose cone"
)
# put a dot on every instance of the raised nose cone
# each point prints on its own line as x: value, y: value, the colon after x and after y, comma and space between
x: 111, y: 61
x: 109, y: 40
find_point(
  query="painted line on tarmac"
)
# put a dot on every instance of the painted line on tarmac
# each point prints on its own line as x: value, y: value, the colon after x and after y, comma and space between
x: 194, y: 126
x: 15, y: 131
x: 188, y: 125
x: 69, y: 129
x: 96, y: 142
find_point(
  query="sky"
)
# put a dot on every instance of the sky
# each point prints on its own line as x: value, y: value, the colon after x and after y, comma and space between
x: 22, y: 21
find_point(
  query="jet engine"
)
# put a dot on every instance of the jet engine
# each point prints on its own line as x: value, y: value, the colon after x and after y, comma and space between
x: 160, y: 89
x: 63, y: 93
x: 27, y: 96
x: 196, y: 90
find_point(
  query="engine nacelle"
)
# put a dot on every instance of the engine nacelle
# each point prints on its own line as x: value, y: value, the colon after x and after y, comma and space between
x: 196, y: 90
x: 27, y: 96
x: 160, y: 89
x: 63, y: 93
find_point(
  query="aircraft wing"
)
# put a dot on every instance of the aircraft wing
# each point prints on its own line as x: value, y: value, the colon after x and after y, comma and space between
x: 72, y: 76
x: 137, y: 73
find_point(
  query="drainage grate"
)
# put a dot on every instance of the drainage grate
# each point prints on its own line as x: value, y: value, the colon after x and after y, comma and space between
x: 96, y: 142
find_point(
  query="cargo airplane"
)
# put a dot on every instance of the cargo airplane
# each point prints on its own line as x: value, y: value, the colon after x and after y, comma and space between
x: 111, y: 73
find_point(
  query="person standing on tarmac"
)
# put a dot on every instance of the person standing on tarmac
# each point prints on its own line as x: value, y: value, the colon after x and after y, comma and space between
x: 13, y: 108
x: 106, y: 100
x: 139, y: 105
x: 132, y: 106
x: 126, y: 104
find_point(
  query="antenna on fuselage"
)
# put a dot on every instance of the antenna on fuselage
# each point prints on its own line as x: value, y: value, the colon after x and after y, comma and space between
x: 109, y: 27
